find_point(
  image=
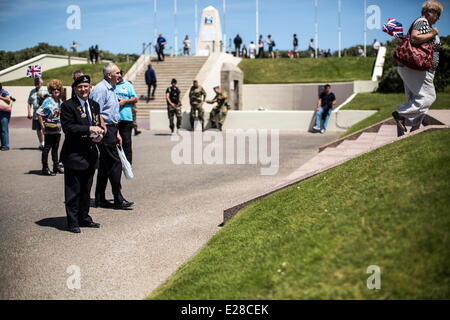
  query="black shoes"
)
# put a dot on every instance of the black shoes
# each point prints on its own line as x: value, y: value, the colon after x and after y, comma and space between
x: 58, y: 169
x: 46, y: 172
x: 74, y: 230
x: 85, y: 225
x: 4, y: 149
x: 103, y: 204
x: 400, y: 121
x: 137, y: 132
x: 123, y: 205
x: 91, y: 225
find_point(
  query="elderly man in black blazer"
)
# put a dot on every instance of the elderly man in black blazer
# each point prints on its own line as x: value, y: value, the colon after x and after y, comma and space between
x: 83, y: 127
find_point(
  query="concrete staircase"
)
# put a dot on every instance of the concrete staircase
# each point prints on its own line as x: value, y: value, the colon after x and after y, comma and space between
x: 349, y: 147
x: 184, y: 69
x: 346, y: 150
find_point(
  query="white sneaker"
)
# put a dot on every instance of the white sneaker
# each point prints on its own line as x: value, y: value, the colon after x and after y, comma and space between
x: 322, y: 130
x: 316, y: 128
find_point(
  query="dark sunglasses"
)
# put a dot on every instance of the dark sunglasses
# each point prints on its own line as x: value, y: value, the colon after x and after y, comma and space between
x: 438, y: 13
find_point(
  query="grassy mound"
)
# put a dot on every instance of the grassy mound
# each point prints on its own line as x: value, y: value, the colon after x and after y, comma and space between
x: 316, y: 239
x: 306, y: 70
x: 385, y: 104
x: 95, y: 71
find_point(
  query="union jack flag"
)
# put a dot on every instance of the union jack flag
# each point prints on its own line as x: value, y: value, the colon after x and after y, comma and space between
x: 393, y: 28
x: 34, y: 71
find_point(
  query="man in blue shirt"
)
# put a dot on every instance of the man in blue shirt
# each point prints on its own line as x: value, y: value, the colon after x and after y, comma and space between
x: 110, y: 166
x: 160, y: 43
x: 150, y: 80
x: 127, y: 100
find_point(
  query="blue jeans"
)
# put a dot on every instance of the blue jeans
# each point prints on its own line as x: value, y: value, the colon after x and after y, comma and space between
x: 325, y: 114
x: 4, y: 125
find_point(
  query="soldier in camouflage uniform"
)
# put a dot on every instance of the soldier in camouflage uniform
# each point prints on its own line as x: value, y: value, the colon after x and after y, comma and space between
x: 173, y: 105
x: 197, y: 96
x: 219, y: 112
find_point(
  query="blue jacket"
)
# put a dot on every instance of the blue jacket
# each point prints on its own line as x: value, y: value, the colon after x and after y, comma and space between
x: 150, y: 76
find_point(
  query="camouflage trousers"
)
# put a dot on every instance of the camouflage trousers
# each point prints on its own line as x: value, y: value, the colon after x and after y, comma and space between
x: 174, y: 112
x: 217, y: 117
x: 197, y: 108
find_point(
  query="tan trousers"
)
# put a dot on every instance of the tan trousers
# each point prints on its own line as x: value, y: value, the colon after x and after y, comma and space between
x: 420, y: 92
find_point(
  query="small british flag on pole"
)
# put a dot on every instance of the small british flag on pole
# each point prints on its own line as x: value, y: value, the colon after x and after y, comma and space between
x: 34, y: 71
x: 393, y: 28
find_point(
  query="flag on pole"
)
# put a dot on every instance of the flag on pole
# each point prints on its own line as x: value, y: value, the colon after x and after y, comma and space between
x: 34, y: 71
x: 393, y: 28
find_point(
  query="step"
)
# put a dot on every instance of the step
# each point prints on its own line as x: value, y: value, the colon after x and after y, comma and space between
x: 354, y: 144
x: 367, y: 137
x: 342, y: 151
x: 387, y: 130
x: 381, y: 140
x: 441, y: 115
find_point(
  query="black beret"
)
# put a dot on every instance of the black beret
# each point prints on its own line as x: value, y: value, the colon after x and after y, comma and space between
x: 81, y: 79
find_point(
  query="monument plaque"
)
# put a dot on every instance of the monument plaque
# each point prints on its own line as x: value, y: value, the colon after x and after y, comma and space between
x: 210, y: 34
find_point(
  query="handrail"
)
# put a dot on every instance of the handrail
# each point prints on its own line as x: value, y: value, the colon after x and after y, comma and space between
x: 137, y: 66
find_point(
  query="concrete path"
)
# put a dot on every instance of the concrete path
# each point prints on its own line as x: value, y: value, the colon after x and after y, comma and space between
x: 178, y: 208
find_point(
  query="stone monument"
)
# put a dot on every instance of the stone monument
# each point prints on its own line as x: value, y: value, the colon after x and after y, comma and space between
x: 210, y: 32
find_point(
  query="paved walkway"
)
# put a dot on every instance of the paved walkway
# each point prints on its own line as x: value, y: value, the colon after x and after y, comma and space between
x: 178, y: 208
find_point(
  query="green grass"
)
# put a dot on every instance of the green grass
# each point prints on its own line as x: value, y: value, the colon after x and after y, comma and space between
x: 385, y: 104
x: 315, y: 240
x: 65, y: 74
x: 306, y: 70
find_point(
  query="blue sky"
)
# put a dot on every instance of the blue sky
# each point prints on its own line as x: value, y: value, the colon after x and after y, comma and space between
x: 122, y: 26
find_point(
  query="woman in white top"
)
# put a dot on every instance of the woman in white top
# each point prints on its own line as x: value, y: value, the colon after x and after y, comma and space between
x: 187, y: 46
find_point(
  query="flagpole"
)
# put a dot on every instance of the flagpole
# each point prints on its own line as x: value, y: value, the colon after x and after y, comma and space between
x: 339, y: 28
x: 257, y: 22
x: 225, y: 41
x: 317, y: 29
x: 365, y: 28
x: 196, y: 24
x: 155, y: 25
x: 175, y: 25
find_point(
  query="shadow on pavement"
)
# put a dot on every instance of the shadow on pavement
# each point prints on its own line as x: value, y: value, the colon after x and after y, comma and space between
x: 163, y: 134
x: 36, y: 172
x: 59, y: 223
x: 26, y: 148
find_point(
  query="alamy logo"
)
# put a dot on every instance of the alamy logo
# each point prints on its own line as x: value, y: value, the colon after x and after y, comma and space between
x: 229, y: 148
x: 74, y: 280
x: 74, y: 20
x: 374, y: 17
x: 374, y: 281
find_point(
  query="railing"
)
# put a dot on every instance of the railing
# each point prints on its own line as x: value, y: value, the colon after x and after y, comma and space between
x: 137, y: 66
